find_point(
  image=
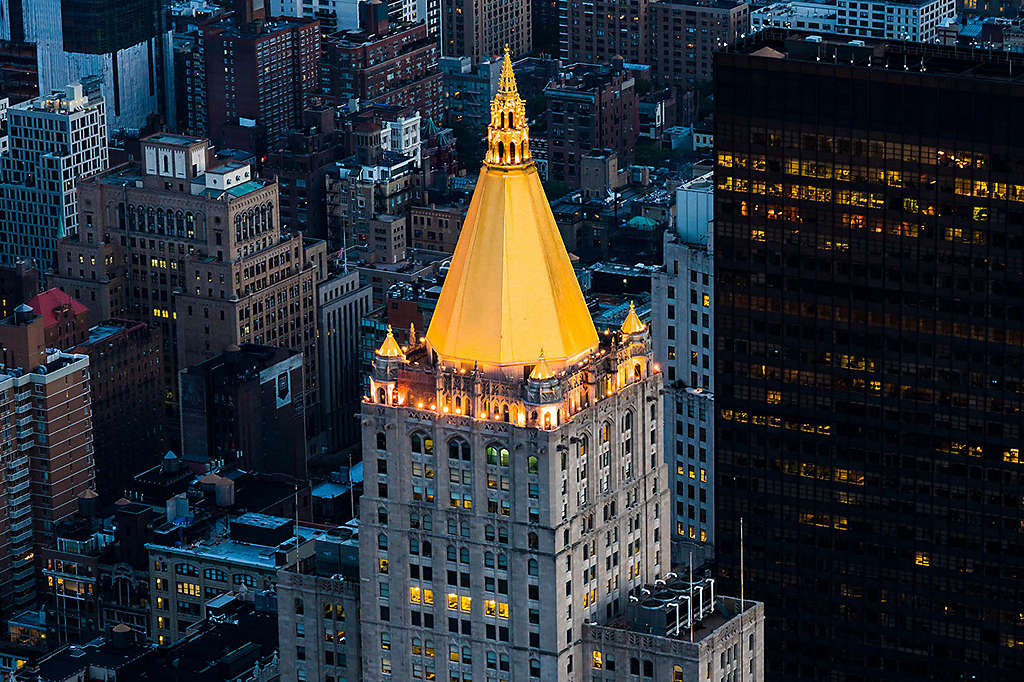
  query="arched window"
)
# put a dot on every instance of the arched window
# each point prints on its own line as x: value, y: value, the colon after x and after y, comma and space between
x: 504, y: 458
x: 606, y: 431
x: 492, y: 660
x: 512, y: 152
x: 532, y: 540
x: 179, y: 222
x: 428, y: 523
x: 464, y: 555
x: 677, y: 673
x: 382, y: 396
x: 489, y: 559
x: 489, y: 533
x: 382, y: 541
x: 414, y: 520
x: 531, y: 464
x: 503, y: 535
x: 636, y: 372
x: 648, y: 669
x: 504, y: 413
x: 503, y: 662
x: 534, y: 667
x: 582, y: 446
x: 453, y: 553
x: 467, y: 654
x: 502, y: 562
x: 492, y: 454
x: 190, y: 224
x: 627, y: 421
x: 458, y: 449
x: 382, y: 440
x: 416, y: 443
x: 414, y: 546
x: 532, y: 567
x: 382, y: 515
x: 458, y: 402
x: 428, y: 549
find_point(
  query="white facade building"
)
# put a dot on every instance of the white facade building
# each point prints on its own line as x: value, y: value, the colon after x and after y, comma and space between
x: 683, y: 296
x: 334, y: 15
x: 908, y: 21
x: 811, y: 16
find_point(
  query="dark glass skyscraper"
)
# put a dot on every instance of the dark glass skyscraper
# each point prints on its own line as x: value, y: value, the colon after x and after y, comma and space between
x: 869, y: 238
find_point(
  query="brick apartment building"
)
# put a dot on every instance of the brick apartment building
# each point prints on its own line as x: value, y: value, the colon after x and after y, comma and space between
x: 598, y: 31
x: 257, y: 75
x: 590, y: 106
x: 483, y: 28
x: 125, y: 360
x: 390, y: 64
x: 45, y: 446
x: 685, y: 35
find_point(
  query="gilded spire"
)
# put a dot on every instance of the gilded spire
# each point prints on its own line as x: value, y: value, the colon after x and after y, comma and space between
x: 510, y: 288
x: 542, y: 370
x: 412, y: 335
x: 632, y: 323
x: 508, y: 136
x: 390, y: 347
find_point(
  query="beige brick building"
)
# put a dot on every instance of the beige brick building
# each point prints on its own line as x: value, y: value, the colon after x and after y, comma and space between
x: 198, y: 248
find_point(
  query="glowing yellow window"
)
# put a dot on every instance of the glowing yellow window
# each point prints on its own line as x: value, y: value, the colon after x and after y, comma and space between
x: 382, y: 565
x: 415, y: 595
x: 428, y: 596
x: 453, y: 601
x: 922, y: 559
x: 703, y: 475
x: 707, y: 301
x: 490, y: 607
x: 467, y: 603
x: 597, y: 660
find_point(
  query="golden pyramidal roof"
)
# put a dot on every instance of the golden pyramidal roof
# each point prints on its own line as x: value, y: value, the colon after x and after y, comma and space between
x: 632, y: 323
x: 510, y: 287
x: 390, y: 347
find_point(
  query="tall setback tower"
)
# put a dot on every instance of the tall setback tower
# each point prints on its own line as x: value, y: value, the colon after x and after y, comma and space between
x: 516, y: 488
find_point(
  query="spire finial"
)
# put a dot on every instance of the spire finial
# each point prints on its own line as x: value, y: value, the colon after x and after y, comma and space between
x: 508, y: 136
x: 632, y: 323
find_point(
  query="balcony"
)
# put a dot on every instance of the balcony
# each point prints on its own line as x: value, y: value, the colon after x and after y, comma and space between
x: 17, y: 488
x: 19, y: 463
x: 18, y: 501
x: 24, y: 538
